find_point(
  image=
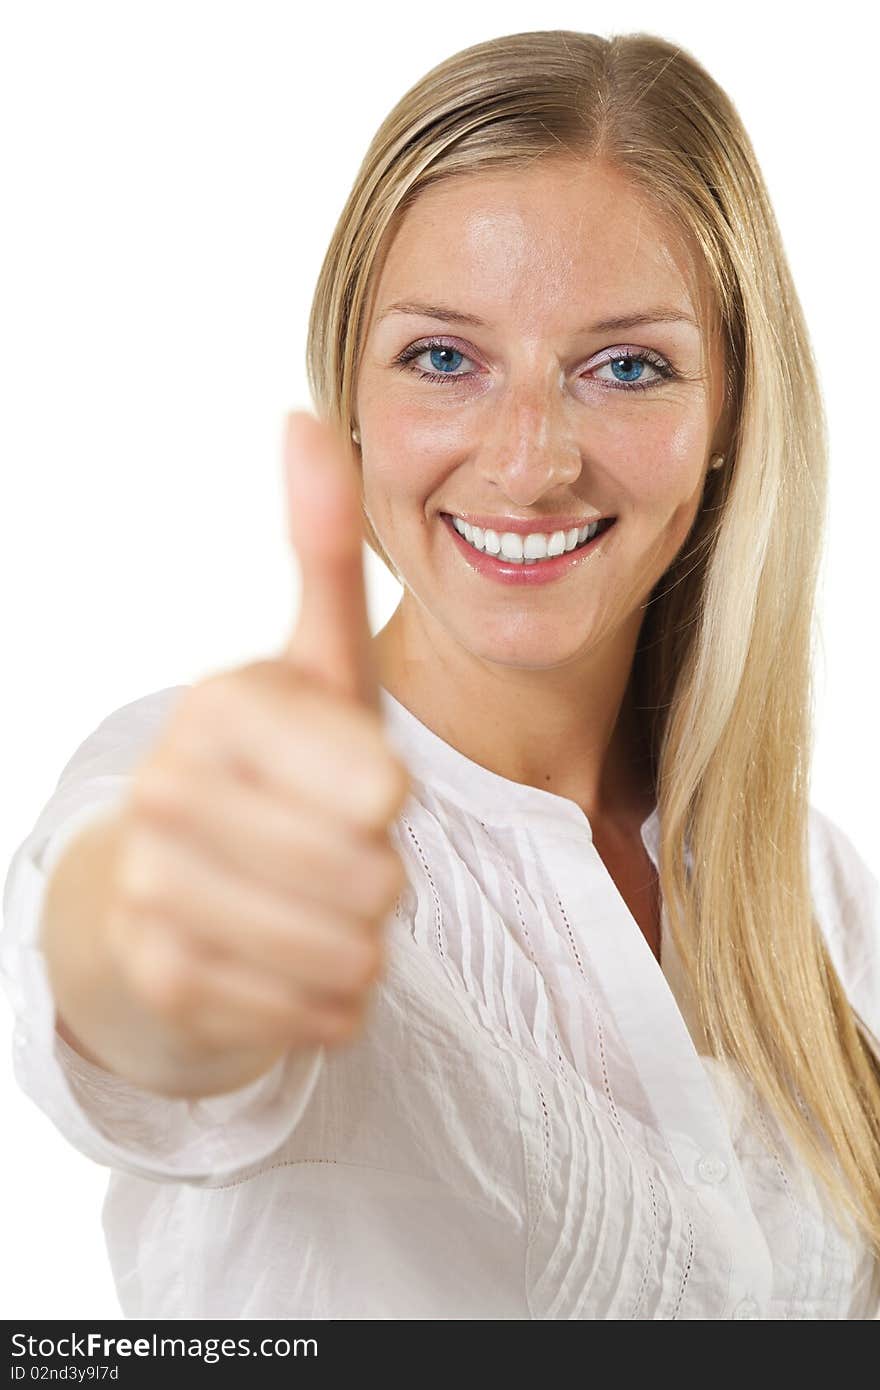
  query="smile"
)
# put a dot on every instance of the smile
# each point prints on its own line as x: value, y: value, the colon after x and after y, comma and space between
x: 534, y: 557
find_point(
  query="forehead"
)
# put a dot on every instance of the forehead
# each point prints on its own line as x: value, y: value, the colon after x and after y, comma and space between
x: 542, y: 243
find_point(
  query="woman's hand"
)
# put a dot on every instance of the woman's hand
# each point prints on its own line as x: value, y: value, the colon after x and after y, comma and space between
x: 253, y: 866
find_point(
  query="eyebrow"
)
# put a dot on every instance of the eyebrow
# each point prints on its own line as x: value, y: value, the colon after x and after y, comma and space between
x: 446, y: 315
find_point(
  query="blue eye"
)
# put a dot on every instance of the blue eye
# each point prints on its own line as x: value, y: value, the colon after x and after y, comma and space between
x: 623, y: 368
x: 627, y: 365
x: 438, y: 352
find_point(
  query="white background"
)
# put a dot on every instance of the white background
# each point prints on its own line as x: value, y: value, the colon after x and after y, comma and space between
x: 171, y: 175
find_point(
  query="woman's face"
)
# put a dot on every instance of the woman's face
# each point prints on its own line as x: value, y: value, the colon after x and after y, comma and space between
x: 540, y: 412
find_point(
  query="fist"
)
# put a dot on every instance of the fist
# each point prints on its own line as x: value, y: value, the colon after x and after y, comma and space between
x: 254, y: 869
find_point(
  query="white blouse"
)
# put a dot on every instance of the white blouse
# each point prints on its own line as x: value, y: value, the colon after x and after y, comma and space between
x: 528, y: 1127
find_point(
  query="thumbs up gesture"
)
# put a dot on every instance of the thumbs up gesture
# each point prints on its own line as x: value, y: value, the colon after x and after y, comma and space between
x: 254, y: 868
x: 332, y: 638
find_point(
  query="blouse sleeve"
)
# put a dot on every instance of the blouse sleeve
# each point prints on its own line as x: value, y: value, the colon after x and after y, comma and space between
x: 108, y: 1119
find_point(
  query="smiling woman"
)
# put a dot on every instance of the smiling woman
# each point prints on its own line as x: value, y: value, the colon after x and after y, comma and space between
x: 542, y: 425
x: 622, y: 1060
x: 557, y: 292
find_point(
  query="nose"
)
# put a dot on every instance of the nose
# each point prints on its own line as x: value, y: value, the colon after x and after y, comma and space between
x: 529, y: 449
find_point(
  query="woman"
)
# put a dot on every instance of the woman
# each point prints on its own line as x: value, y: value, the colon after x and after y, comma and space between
x: 621, y: 1057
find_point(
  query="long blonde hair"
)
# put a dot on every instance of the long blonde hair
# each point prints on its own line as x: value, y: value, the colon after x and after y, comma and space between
x: 723, y: 670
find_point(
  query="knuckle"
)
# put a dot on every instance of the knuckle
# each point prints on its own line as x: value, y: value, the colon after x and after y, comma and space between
x: 213, y: 700
x: 140, y: 881
x: 387, y: 790
x: 398, y: 789
x: 272, y: 684
x: 397, y: 784
x: 163, y: 976
x: 382, y: 881
x: 397, y: 878
x: 158, y: 792
x: 278, y: 675
x: 362, y: 963
x: 340, y: 1026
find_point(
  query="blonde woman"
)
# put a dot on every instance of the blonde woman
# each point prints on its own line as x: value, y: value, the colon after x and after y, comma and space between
x: 496, y: 966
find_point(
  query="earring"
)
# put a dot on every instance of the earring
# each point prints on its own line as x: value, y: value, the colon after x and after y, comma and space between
x: 355, y: 436
x: 718, y: 461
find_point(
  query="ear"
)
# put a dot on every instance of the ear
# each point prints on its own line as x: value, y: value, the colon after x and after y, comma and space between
x: 725, y: 425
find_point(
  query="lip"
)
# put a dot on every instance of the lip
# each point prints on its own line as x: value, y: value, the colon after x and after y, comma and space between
x: 509, y: 572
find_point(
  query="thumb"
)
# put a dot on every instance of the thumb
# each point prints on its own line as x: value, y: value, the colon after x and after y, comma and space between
x: 332, y: 639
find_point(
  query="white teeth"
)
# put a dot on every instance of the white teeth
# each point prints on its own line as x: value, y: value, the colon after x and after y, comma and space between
x: 511, y: 545
x: 534, y: 547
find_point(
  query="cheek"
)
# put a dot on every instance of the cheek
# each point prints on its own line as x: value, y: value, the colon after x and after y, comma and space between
x: 400, y: 481
x: 659, y: 471
x: 422, y: 436
x: 412, y: 423
x: 408, y: 461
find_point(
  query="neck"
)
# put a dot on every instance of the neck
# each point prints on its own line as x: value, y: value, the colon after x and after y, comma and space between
x: 572, y: 730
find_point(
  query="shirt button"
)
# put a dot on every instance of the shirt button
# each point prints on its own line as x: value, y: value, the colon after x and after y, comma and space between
x: 711, y: 1169
x: 748, y: 1308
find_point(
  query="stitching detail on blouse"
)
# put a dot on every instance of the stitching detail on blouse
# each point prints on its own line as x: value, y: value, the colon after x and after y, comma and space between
x: 801, y: 1103
x: 438, y: 916
x: 537, y: 1212
x: 295, y: 1162
x: 525, y: 931
x: 600, y: 1031
x: 644, y: 1281
x: 510, y: 1049
x: 258, y: 1173
x: 544, y: 1181
x: 531, y: 1220
x: 368, y: 1167
x: 687, y: 1270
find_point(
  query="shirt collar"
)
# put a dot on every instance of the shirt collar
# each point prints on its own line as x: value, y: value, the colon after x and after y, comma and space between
x: 486, y: 794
